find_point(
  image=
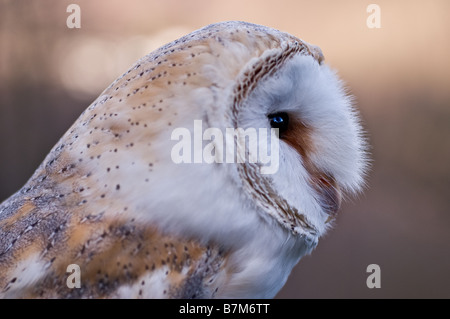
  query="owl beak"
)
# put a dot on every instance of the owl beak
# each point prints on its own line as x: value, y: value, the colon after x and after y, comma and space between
x: 330, y: 195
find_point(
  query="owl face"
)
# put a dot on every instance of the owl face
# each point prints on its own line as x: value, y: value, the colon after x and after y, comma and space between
x: 113, y: 172
x: 321, y: 148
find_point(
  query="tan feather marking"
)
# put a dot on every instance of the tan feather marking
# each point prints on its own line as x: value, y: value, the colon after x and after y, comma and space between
x: 23, y: 211
x: 12, y: 271
x: 121, y: 254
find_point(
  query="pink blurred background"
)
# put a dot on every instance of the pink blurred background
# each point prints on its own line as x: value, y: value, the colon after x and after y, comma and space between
x: 399, y: 74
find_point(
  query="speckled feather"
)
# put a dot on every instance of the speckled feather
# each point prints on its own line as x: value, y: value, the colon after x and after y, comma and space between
x: 99, y: 198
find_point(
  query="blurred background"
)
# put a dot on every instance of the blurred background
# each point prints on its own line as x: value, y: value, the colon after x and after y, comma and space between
x: 399, y: 74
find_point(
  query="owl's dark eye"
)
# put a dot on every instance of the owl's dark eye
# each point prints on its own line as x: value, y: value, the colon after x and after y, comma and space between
x: 280, y: 121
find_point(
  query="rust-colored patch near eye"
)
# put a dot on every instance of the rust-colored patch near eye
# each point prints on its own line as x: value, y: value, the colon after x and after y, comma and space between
x: 298, y: 136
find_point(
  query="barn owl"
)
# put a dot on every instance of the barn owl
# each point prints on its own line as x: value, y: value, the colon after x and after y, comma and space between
x: 110, y: 199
